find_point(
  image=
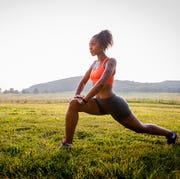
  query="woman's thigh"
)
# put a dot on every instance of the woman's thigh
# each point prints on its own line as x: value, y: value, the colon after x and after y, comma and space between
x: 133, y: 123
x: 91, y: 107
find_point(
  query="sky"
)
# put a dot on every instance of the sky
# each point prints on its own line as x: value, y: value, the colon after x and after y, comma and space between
x: 47, y: 40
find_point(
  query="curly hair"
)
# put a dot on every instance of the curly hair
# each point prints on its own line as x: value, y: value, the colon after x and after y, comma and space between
x: 105, y: 39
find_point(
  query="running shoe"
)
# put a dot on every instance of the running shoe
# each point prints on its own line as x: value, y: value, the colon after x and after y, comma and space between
x: 173, y: 139
x: 65, y: 144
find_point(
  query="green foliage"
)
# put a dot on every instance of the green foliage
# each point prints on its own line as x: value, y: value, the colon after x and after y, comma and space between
x: 30, y: 135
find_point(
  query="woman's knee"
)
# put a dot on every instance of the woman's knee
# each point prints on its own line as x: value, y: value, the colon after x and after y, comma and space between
x: 73, y: 105
x: 134, y: 124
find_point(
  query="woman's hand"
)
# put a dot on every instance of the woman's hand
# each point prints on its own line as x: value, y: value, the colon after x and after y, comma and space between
x: 80, y: 99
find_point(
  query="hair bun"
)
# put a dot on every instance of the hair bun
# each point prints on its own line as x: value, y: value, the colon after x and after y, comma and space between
x: 105, y: 38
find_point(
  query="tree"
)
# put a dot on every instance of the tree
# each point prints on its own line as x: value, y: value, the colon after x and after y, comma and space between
x: 12, y: 91
x: 24, y: 91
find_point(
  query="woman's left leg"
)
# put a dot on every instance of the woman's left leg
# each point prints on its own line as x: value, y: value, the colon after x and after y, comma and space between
x: 72, y: 116
x: 134, y: 124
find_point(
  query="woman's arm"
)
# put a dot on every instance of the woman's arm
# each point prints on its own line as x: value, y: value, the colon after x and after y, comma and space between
x: 83, y: 81
x: 108, y: 72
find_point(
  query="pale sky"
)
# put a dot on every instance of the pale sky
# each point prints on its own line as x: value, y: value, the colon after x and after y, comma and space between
x: 47, y: 40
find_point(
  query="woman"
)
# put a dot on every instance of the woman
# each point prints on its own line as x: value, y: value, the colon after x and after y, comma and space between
x: 101, y: 100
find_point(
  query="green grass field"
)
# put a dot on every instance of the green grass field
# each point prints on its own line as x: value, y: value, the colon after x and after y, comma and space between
x: 31, y: 130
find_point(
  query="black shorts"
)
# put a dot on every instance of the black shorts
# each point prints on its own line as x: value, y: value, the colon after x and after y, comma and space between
x: 116, y: 106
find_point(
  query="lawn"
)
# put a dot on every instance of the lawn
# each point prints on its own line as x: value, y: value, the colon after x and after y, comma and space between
x: 31, y: 132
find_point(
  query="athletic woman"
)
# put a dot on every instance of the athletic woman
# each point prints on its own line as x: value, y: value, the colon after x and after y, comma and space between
x: 101, y: 100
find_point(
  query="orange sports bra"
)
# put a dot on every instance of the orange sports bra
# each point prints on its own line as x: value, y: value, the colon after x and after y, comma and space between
x: 97, y: 73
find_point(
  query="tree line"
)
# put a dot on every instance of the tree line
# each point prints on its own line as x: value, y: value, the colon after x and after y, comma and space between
x: 14, y: 91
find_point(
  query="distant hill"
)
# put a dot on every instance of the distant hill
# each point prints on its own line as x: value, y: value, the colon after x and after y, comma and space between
x: 63, y: 85
x: 70, y: 84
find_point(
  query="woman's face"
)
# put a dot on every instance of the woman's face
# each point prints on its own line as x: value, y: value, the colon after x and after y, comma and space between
x: 95, y: 47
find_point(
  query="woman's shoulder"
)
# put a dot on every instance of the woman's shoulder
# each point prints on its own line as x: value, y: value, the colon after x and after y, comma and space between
x: 112, y: 60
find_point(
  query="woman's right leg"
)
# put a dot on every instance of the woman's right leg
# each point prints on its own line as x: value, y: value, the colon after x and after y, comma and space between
x: 72, y: 116
x: 134, y: 124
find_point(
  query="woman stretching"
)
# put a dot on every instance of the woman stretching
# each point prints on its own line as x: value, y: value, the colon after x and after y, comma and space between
x: 101, y: 100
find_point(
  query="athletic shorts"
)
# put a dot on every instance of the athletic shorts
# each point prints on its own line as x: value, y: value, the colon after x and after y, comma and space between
x: 116, y: 106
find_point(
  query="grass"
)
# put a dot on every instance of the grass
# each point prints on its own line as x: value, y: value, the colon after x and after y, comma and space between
x: 31, y: 132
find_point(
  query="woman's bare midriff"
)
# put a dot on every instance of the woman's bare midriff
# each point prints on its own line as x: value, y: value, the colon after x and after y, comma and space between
x: 106, y: 92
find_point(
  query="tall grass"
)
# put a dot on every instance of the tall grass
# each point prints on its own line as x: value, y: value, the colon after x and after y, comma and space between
x: 30, y: 135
